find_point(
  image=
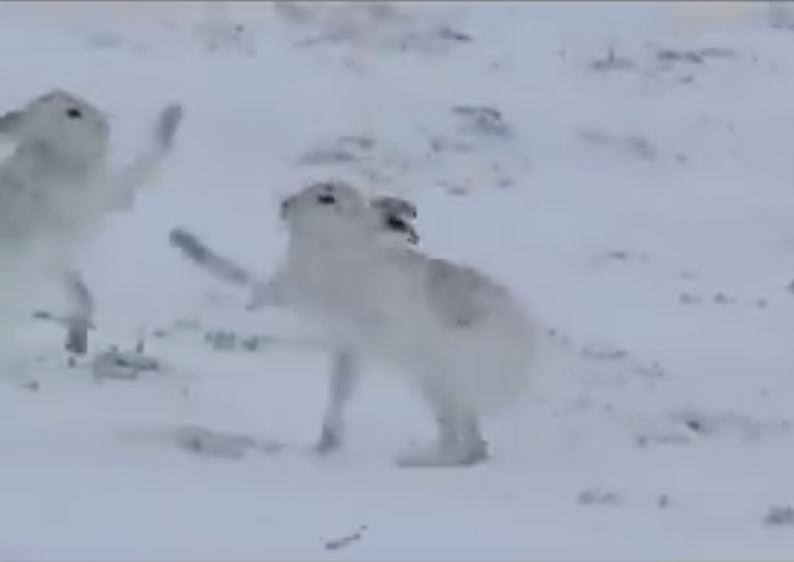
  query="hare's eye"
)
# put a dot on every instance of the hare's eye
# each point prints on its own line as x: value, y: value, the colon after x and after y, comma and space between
x: 74, y: 113
x: 326, y: 199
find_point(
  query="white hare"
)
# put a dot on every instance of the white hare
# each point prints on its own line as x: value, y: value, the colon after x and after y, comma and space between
x: 460, y: 339
x: 56, y: 186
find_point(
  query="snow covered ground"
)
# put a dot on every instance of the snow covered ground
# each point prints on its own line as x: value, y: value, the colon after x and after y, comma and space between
x: 627, y: 168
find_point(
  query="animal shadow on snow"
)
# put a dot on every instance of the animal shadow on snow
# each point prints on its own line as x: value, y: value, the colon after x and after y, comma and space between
x: 205, y: 442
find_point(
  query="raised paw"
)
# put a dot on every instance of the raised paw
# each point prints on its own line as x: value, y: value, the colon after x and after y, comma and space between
x: 188, y: 243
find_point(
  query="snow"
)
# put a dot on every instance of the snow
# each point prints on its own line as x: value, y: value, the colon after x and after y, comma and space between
x: 640, y: 204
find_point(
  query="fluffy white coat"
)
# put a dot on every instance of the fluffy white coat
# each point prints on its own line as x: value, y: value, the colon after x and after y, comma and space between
x: 459, y: 337
x: 55, y: 188
x: 462, y: 340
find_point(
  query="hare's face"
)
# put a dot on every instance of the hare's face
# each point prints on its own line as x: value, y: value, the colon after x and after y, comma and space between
x: 325, y: 211
x: 62, y: 125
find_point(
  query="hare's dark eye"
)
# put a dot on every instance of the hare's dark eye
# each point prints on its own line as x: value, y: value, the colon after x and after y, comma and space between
x: 326, y: 199
x: 74, y: 113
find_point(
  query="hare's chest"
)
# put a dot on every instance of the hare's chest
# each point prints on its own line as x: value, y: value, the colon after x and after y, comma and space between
x: 40, y: 206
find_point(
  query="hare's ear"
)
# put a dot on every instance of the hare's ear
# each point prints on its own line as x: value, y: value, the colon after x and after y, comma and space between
x: 10, y: 123
x: 396, y: 223
x: 395, y: 205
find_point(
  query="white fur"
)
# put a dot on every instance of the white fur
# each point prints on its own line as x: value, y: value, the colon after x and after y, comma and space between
x: 56, y: 187
x: 458, y: 336
x: 50, y: 195
x: 460, y: 339
x: 50, y: 186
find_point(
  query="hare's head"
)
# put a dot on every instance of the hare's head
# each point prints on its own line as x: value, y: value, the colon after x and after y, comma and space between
x: 332, y: 211
x: 63, y: 126
x: 326, y: 211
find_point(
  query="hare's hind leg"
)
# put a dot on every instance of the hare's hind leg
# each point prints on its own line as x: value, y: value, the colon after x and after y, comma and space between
x: 81, y: 312
x: 459, y: 442
x: 345, y: 373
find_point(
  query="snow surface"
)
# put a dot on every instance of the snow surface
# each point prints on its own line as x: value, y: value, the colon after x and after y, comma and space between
x: 636, y: 193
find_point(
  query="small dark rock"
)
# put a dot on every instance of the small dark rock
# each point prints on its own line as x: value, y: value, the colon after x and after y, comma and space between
x: 654, y: 370
x: 641, y: 147
x: 671, y: 55
x: 694, y: 425
x: 604, y: 353
x: 221, y: 341
x: 483, y: 119
x: 32, y: 386
x: 687, y: 298
x: 779, y: 516
x: 454, y: 35
x: 722, y: 298
x: 600, y: 497
x: 114, y: 364
x: 342, y: 542
x: 209, y: 443
x: 671, y: 439
x: 717, y: 52
x: 612, y: 62
x: 624, y: 255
